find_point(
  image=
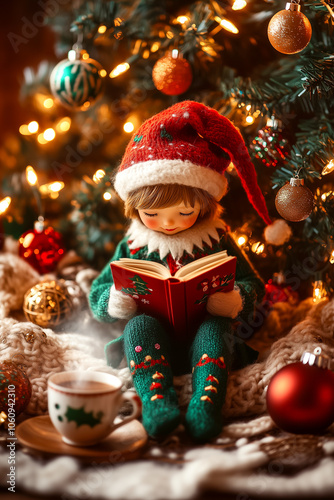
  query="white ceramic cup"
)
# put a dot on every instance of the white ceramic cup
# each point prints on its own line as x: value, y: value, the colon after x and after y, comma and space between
x: 85, y: 415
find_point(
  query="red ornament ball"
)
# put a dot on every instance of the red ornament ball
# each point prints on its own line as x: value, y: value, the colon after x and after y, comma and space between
x: 276, y: 292
x: 42, y: 249
x: 15, y: 389
x: 294, y: 201
x: 289, y: 31
x: 300, y: 398
x: 172, y: 76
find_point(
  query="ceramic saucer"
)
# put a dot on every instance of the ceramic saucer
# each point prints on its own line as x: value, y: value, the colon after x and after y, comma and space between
x: 125, y: 443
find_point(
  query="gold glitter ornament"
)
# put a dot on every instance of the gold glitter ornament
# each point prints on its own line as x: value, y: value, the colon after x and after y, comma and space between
x: 47, y: 304
x: 294, y: 201
x: 289, y: 31
x: 172, y: 74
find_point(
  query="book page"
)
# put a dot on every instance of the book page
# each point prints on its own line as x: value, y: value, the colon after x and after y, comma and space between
x: 196, y: 266
x: 145, y: 266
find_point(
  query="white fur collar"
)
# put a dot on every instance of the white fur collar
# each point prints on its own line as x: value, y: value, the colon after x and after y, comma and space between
x: 197, y: 235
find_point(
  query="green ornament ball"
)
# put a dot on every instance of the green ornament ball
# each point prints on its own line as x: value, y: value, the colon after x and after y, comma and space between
x: 77, y: 82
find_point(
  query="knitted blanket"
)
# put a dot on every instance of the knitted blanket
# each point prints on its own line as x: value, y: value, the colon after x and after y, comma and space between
x: 250, y: 457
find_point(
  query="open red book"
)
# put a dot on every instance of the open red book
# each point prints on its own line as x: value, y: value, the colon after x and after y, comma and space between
x: 179, y: 299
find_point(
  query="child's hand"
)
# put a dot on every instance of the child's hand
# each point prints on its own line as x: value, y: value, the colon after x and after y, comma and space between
x: 227, y: 304
x: 121, y: 306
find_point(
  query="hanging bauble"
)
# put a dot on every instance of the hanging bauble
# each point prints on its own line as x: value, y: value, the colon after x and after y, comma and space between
x: 277, y: 290
x: 15, y: 389
x: 294, y: 201
x: 300, y: 396
x: 42, y: 247
x: 172, y: 75
x: 269, y: 145
x: 289, y: 30
x: 47, y: 304
x: 76, y: 82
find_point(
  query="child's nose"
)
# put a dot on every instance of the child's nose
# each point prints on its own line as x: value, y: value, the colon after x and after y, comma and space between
x: 169, y: 221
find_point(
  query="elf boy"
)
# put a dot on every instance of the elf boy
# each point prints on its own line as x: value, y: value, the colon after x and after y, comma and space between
x: 171, y: 180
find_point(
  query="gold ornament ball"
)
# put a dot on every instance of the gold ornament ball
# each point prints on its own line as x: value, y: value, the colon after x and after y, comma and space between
x: 172, y: 76
x: 47, y: 304
x: 294, y: 201
x: 289, y: 31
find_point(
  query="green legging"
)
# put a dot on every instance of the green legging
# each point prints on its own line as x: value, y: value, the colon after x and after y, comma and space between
x: 154, y: 358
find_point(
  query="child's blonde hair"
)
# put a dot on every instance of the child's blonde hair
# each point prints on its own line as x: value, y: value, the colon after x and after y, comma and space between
x: 167, y: 195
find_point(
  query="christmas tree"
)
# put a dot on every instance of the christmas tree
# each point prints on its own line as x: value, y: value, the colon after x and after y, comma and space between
x: 84, y: 75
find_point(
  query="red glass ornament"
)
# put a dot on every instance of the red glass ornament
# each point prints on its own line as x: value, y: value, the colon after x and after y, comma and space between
x: 15, y: 381
x: 300, y: 397
x: 276, y: 292
x: 42, y: 248
x: 172, y: 75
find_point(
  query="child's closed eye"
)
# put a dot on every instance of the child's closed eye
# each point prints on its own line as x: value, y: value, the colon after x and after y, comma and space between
x: 150, y: 215
x: 190, y: 213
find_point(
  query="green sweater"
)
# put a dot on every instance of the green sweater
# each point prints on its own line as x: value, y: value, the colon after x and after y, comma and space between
x: 247, y: 280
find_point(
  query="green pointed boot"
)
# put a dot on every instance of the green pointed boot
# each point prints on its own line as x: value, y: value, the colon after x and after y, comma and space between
x: 147, y: 351
x: 211, y: 359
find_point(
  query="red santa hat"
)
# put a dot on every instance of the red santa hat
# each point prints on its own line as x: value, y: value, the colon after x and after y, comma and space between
x: 189, y: 144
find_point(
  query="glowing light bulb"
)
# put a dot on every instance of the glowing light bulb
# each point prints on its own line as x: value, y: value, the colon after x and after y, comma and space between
x: 182, y: 19
x: 48, y: 103
x: 64, y: 124
x: 102, y: 73
x: 107, y: 196
x: 24, y: 129
x: 55, y: 187
x: 49, y: 134
x: 85, y: 56
x: 31, y: 175
x: 128, y: 127
x: 227, y: 25
x: 155, y: 46
x: 99, y: 174
x: 242, y: 240
x: 324, y: 196
x: 102, y: 29
x: 51, y: 188
x: 319, y: 291
x: 239, y: 4
x: 41, y: 139
x: 328, y: 168
x: 121, y: 68
x: 4, y: 204
x: 249, y: 119
x: 331, y: 258
x: 33, y: 127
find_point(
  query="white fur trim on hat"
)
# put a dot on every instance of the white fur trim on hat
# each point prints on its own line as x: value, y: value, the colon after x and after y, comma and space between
x: 151, y: 173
